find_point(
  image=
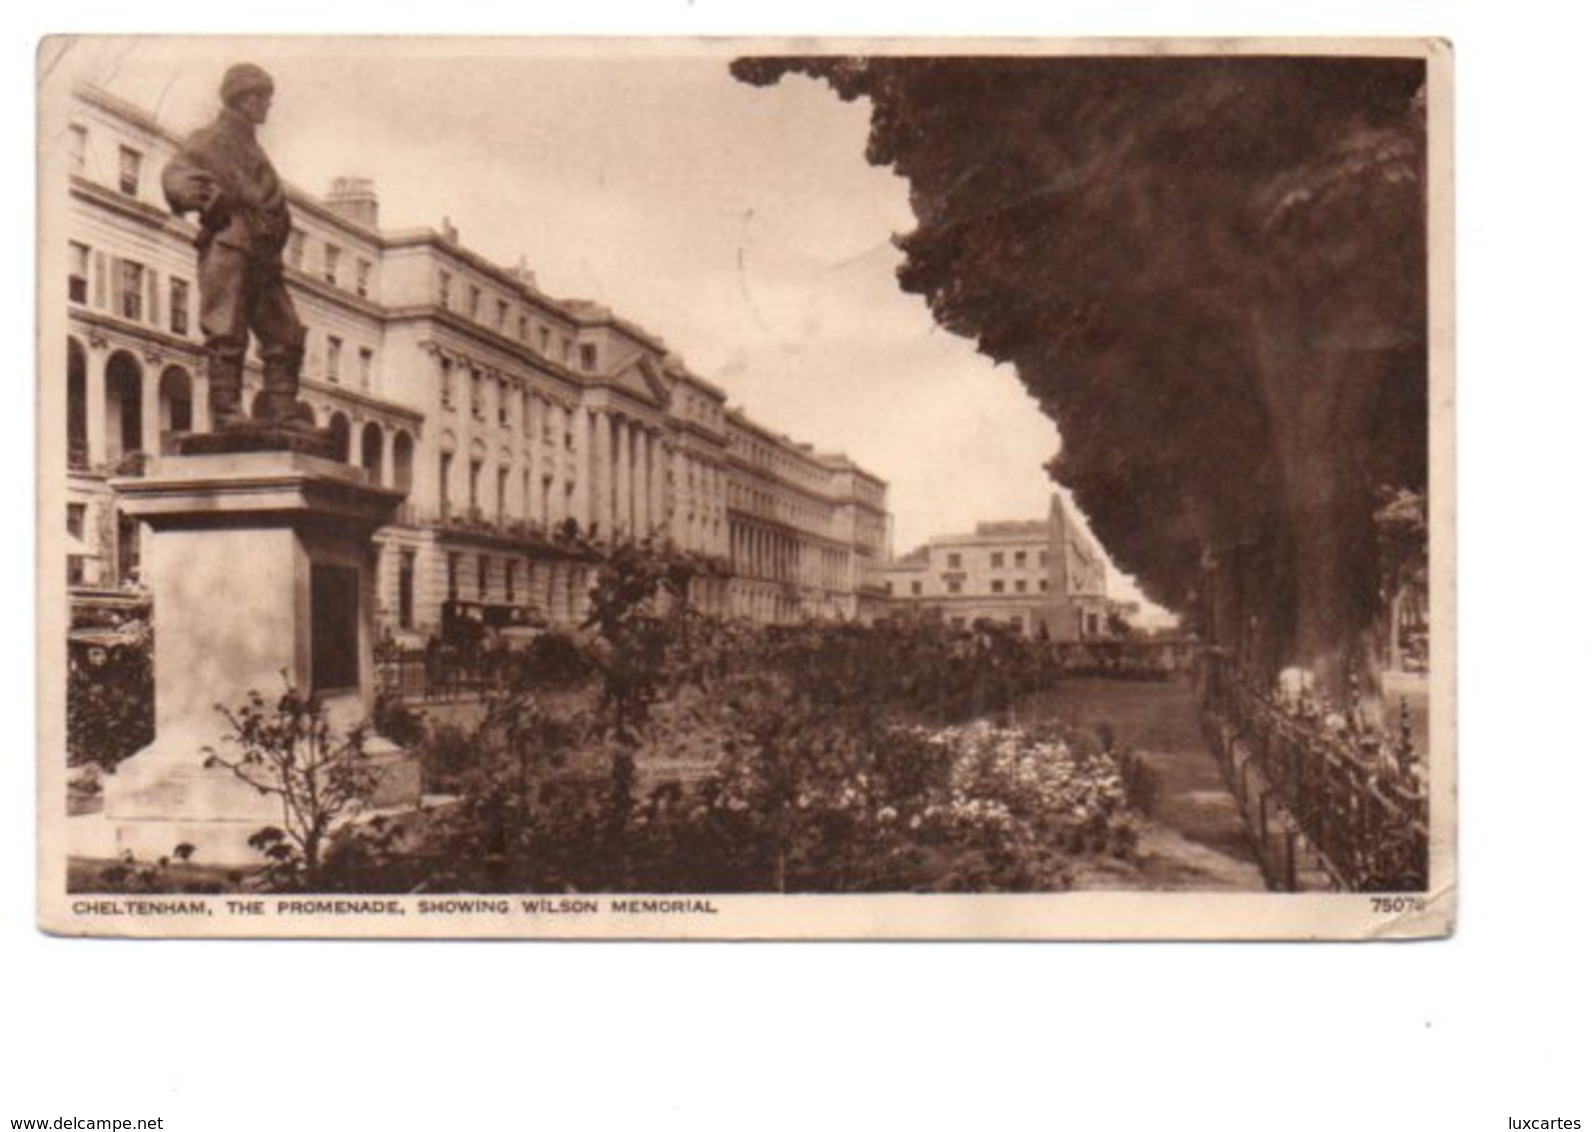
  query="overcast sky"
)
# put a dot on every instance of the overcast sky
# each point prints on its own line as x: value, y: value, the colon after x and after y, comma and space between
x: 742, y: 225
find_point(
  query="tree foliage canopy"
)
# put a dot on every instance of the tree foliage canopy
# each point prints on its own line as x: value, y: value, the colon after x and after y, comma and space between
x: 1210, y: 272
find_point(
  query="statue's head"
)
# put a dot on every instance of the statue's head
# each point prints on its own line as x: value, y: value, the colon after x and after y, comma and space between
x: 248, y: 89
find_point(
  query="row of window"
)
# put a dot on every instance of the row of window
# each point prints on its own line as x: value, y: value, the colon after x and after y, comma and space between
x: 555, y: 419
x: 129, y: 178
x: 756, y: 452
x: 483, y: 575
x: 134, y: 294
x: 536, y: 506
x: 786, y: 561
x: 473, y: 309
x: 126, y: 288
x: 706, y: 480
x: 510, y: 591
x: 997, y: 560
x: 129, y: 181
x: 960, y: 623
x: 129, y: 161
x: 955, y: 586
x: 812, y: 516
x: 539, y: 495
x: 697, y: 408
x: 335, y: 351
x: 331, y: 269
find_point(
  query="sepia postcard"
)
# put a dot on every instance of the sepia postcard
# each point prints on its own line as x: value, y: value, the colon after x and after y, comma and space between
x: 746, y: 489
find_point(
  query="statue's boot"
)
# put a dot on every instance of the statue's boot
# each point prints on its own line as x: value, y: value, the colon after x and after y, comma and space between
x: 226, y: 394
x: 279, y: 405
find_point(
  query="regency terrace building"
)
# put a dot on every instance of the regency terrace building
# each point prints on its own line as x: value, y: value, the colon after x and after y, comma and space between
x: 510, y: 417
x: 1039, y: 577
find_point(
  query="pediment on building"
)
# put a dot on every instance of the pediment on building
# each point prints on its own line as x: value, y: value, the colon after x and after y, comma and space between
x: 643, y: 381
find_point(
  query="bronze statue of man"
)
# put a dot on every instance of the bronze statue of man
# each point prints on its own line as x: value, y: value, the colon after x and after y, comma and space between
x: 221, y: 173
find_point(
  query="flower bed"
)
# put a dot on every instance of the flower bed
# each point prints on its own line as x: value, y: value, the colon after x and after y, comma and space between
x: 1031, y: 784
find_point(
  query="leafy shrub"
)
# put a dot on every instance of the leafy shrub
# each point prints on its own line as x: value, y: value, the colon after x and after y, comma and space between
x: 554, y: 658
x: 395, y: 720
x: 722, y: 757
x: 175, y: 872
x: 447, y: 754
x: 286, y: 749
x: 110, y: 697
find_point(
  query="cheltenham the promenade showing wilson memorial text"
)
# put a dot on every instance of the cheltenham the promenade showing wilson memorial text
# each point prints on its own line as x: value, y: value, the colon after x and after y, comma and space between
x: 651, y: 488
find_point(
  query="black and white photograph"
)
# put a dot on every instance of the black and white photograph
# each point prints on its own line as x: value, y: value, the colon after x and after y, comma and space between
x: 746, y: 489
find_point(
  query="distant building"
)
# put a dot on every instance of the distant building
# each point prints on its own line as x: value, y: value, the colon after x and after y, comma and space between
x: 808, y: 531
x: 507, y: 415
x: 1041, y: 577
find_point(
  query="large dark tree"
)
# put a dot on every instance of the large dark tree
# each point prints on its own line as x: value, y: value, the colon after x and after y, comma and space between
x: 1212, y: 273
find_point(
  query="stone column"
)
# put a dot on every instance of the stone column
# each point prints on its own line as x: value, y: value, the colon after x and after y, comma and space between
x: 658, y: 464
x: 622, y: 517
x: 149, y: 408
x: 513, y: 497
x: 707, y: 485
x: 677, y: 529
x: 654, y: 481
x: 557, y: 586
x: 585, y: 591
x: 459, y: 479
x: 389, y: 465
x: 561, y: 503
x: 582, y: 500
x: 536, y: 587
x: 638, y: 492
x: 546, y: 578
x: 641, y: 494
x: 637, y: 468
x: 533, y: 423
x: 638, y: 474
x: 95, y: 378
x: 603, y: 475
x: 201, y: 401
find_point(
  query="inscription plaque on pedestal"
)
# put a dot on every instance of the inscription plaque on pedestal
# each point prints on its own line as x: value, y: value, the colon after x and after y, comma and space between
x: 334, y: 628
x: 260, y: 564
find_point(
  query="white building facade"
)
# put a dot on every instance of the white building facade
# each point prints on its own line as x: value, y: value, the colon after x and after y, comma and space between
x: 526, y: 430
x: 1040, y: 577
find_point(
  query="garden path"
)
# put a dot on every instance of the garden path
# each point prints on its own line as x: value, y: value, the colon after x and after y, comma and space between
x: 1195, y: 840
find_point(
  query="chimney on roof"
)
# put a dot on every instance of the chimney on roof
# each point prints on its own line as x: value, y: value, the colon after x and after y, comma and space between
x: 449, y: 232
x: 523, y: 273
x: 354, y: 198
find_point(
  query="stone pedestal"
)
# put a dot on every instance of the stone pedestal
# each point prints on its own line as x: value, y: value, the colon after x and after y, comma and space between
x: 262, y: 570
